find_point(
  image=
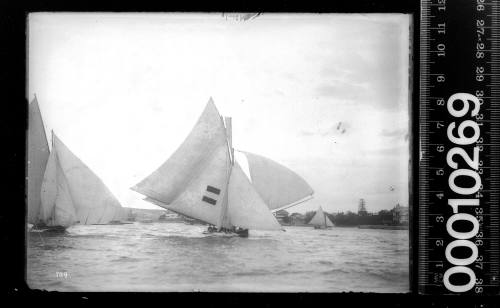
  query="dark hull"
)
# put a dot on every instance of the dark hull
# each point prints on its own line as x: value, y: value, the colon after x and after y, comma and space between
x: 114, y: 223
x: 321, y: 227
x: 48, y: 229
x: 240, y: 233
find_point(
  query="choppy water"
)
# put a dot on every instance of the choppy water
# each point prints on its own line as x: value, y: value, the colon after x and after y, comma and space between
x: 178, y: 257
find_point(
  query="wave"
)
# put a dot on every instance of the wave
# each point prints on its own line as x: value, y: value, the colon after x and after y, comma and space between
x: 126, y: 259
x: 335, y: 271
x: 55, y: 247
x: 253, y: 273
x: 387, y: 275
x: 292, y: 271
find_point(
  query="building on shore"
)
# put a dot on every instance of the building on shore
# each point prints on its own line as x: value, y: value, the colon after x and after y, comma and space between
x: 282, y: 217
x: 297, y: 219
x: 400, y: 215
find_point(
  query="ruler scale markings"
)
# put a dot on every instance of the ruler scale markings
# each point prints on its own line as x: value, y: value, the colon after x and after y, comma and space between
x: 478, y: 42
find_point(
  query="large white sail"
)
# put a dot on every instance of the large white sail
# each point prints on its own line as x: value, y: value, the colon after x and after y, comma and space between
x: 194, y: 179
x: 38, y: 154
x: 163, y: 205
x: 57, y: 208
x: 278, y: 186
x: 246, y: 209
x: 94, y: 203
x: 320, y: 219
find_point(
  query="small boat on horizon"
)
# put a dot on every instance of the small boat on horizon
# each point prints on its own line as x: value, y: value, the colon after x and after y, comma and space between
x: 320, y: 220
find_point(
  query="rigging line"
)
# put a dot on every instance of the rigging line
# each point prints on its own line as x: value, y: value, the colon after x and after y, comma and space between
x: 225, y: 199
x: 306, y: 198
x: 225, y: 205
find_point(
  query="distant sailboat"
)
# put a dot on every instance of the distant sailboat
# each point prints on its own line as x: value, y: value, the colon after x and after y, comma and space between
x: 202, y: 180
x: 49, y: 205
x: 61, y: 189
x: 93, y: 201
x: 38, y: 155
x: 320, y: 220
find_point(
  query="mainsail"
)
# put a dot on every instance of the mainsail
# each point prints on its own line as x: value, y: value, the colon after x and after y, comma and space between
x: 38, y: 154
x: 278, y: 186
x: 93, y: 201
x: 200, y: 181
x: 194, y: 179
x: 320, y: 219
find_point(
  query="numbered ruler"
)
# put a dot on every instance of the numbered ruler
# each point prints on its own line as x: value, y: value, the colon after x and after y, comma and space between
x: 458, y: 211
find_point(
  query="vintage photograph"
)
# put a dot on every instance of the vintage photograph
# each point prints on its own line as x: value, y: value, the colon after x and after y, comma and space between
x: 218, y: 152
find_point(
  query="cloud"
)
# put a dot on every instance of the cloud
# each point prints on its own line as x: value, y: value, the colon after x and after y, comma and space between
x: 342, y: 90
x: 372, y: 69
x: 395, y: 134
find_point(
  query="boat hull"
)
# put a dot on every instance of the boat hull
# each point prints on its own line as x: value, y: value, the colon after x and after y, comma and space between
x: 239, y: 233
x: 47, y: 229
x: 322, y: 227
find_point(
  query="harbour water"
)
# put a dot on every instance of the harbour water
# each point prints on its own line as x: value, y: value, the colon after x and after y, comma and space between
x: 178, y: 257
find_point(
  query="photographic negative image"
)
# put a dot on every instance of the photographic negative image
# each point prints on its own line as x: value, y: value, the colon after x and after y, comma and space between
x: 218, y: 152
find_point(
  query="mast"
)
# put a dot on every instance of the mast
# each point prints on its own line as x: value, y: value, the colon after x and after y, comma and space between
x: 229, y: 133
x: 55, y: 153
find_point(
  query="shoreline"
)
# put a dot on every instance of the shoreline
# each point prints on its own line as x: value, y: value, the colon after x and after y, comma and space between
x: 387, y: 227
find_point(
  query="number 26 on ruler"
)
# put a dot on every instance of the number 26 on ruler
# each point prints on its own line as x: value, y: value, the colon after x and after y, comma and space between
x: 456, y: 134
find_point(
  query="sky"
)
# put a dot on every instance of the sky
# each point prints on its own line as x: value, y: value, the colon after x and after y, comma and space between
x: 324, y: 94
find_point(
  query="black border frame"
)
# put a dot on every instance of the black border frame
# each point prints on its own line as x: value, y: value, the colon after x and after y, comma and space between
x: 12, y: 217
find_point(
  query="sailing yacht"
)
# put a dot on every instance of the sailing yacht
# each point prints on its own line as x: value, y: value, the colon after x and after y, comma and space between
x: 320, y: 220
x: 49, y: 208
x: 61, y: 189
x: 202, y: 180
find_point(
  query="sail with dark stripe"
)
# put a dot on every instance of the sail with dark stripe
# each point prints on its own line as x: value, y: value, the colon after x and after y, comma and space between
x: 193, y: 180
x: 202, y: 180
